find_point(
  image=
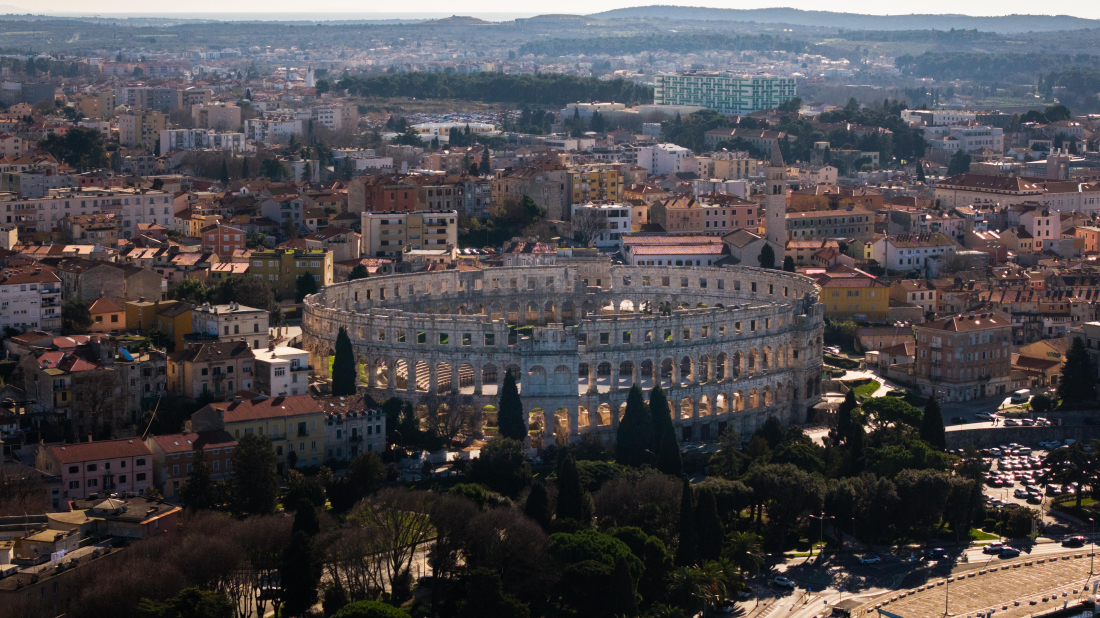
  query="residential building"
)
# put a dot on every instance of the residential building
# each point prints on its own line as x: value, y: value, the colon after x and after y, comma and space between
x: 736, y: 165
x: 545, y: 184
x: 71, y: 388
x: 101, y: 229
x: 144, y: 380
x: 964, y: 357
x: 222, y: 239
x: 850, y: 293
x: 966, y: 137
x: 342, y: 242
x: 97, y: 105
x: 294, y: 424
x: 30, y: 299
x: 272, y: 130
x: 976, y: 189
x: 141, y: 129
x: 882, y: 337
x: 386, y: 234
x: 674, y: 250
x: 218, y: 116
x: 911, y: 252
x: 352, y: 428
x: 764, y: 140
x: 203, y: 139
x: 662, y: 159
x: 281, y: 371
x: 175, y: 320
x: 98, y: 468
x: 217, y: 369
x: 604, y: 224
x: 595, y: 183
x: 108, y: 314
x: 282, y: 267
x: 855, y: 223
x: 919, y: 292
x: 705, y: 215
x: 285, y: 208
x: 230, y: 323
x: 337, y: 117
x: 174, y: 455
x: 724, y: 92
x: 382, y: 194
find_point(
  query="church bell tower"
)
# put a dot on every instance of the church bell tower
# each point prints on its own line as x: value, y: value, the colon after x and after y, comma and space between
x: 775, y: 205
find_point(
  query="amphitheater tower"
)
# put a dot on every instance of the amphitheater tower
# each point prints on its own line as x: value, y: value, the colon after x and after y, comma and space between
x: 775, y: 205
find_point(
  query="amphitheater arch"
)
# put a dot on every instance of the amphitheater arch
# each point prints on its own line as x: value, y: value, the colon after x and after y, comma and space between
x: 754, y: 398
x: 443, y: 378
x: 687, y: 408
x: 704, y: 369
x: 402, y: 375
x: 704, y: 405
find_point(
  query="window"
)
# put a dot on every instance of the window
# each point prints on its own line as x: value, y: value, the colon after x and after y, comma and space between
x: 74, y: 469
x: 92, y: 467
x: 140, y: 476
x: 140, y: 462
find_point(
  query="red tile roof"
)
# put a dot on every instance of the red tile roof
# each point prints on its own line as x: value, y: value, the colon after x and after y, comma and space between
x: 107, y: 304
x: 95, y: 451
x: 183, y: 442
x: 254, y: 407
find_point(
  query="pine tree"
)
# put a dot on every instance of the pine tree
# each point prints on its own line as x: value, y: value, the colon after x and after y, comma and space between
x: 486, y: 168
x: 844, y: 420
x: 708, y: 526
x: 224, y: 174
x: 920, y: 170
x: 343, y: 366
x: 305, y: 518
x: 686, y: 548
x: 244, y: 168
x: 635, y: 433
x: 669, y: 460
x: 537, y: 506
x: 788, y: 264
x: 622, y: 600
x: 931, y: 425
x: 510, y: 413
x: 198, y: 492
x: 661, y: 414
x: 299, y: 575
x: 570, y: 492
x: 767, y: 257
x: 1078, y: 384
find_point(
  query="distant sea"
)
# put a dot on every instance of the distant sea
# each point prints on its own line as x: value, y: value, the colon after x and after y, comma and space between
x: 300, y: 17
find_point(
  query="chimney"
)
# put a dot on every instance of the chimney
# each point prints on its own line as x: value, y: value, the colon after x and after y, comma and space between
x: 89, y: 438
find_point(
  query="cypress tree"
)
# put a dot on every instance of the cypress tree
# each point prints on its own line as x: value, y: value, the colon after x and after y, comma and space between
x: 622, y: 600
x: 767, y: 257
x: 510, y: 414
x: 661, y: 414
x: 635, y: 433
x: 343, y: 366
x: 844, y: 420
x: 299, y: 575
x: 788, y: 264
x: 305, y: 518
x: 244, y: 168
x: 708, y: 526
x: 1078, y: 385
x: 224, y: 174
x: 687, y: 547
x: 570, y: 491
x: 538, y: 505
x: 931, y: 425
x: 669, y: 460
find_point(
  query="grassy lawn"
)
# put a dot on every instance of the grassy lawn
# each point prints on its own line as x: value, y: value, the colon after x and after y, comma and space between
x: 981, y: 535
x: 866, y: 391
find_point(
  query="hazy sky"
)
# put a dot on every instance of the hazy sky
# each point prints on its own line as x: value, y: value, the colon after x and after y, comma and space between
x: 512, y: 8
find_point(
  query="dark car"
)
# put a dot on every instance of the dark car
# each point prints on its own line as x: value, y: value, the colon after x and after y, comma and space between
x: 937, y: 553
x: 958, y: 420
x: 1010, y: 552
x: 1074, y: 541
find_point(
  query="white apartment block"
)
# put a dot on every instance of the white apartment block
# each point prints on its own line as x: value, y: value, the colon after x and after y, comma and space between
x: 662, y: 159
x: 937, y: 117
x: 231, y: 322
x: 965, y: 138
x: 723, y: 91
x: 281, y: 372
x: 30, y: 299
x: 273, y: 130
x: 203, y: 139
x: 351, y: 433
x: 337, y: 117
x: 133, y: 207
x: 616, y: 215
x: 386, y: 234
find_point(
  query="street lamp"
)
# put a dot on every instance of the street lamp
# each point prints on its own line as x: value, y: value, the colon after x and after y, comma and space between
x: 821, y: 533
x: 1092, y: 542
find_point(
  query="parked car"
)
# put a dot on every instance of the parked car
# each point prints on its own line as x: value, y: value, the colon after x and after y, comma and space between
x: 1010, y: 552
x: 985, y: 416
x: 783, y: 582
x: 1020, y: 493
x: 958, y: 420
x: 1012, y: 422
x: 1074, y: 541
x: 937, y: 553
x: 995, y: 547
x: 1034, y: 499
x: 870, y: 559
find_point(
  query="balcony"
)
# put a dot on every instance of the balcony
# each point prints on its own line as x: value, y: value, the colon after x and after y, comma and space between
x: 936, y: 346
x: 218, y: 377
x: 356, y: 438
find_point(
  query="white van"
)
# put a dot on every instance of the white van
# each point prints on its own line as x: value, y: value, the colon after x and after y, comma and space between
x: 1021, y: 396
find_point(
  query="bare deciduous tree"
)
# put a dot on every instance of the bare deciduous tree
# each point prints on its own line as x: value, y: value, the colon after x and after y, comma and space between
x: 22, y: 491
x: 400, y: 523
x: 588, y: 224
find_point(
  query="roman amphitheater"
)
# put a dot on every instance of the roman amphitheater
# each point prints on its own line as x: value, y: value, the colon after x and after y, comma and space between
x: 728, y: 345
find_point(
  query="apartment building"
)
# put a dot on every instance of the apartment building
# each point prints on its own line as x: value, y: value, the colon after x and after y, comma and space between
x: 964, y: 357
x: 294, y: 425
x: 198, y: 139
x: 850, y: 293
x: 736, y: 165
x: 605, y: 223
x: 352, y: 428
x: 141, y: 129
x: 336, y: 117
x: 917, y: 292
x: 662, y: 159
x: 687, y: 215
x: 764, y: 140
x: 222, y: 239
x: 281, y: 371
x: 967, y: 137
x: 174, y: 455
x: 595, y: 183
x: 978, y: 190
x: 98, y: 468
x: 30, y: 299
x: 545, y: 184
x: 97, y: 105
x: 101, y: 229
x: 217, y: 369
x: 230, y: 323
x: 144, y: 380
x: 219, y: 116
x: 854, y: 223
x: 724, y: 92
x: 906, y: 252
x: 273, y: 130
x: 282, y: 267
x: 386, y: 234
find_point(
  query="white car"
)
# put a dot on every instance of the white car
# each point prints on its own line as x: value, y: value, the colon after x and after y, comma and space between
x: 870, y: 559
x: 783, y: 582
x: 985, y: 416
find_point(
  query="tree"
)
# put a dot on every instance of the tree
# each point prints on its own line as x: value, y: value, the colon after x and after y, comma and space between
x: 510, y: 414
x: 767, y: 256
x: 537, y: 506
x: 501, y: 467
x: 299, y: 575
x: 588, y: 224
x: 486, y: 167
x: 191, y: 290
x: 344, y: 372
x: 920, y: 171
x: 931, y: 426
x: 571, y: 494
x: 708, y: 526
x: 245, y: 173
x: 661, y: 414
x: 223, y: 175
x: 359, y: 272
x: 622, y: 600
x: 190, y: 603
x: 1073, y: 464
x: 76, y: 319
x: 788, y: 264
x: 669, y: 459
x: 1041, y: 403
x: 305, y: 518
x: 744, y: 549
x: 305, y: 285
x: 78, y: 147
x: 370, y: 609
x: 248, y: 291
x: 158, y: 184
x: 307, y: 172
x: 198, y: 492
x: 959, y: 163
x: 255, y: 483
x: 634, y: 437
x: 687, y: 550
x: 485, y: 596
x: 1078, y: 385
x: 323, y: 86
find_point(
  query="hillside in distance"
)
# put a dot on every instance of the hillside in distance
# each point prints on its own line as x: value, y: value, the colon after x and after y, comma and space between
x: 855, y: 21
